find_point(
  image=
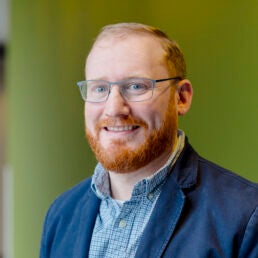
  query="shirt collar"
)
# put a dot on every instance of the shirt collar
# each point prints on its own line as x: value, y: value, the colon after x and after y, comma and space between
x: 101, y: 184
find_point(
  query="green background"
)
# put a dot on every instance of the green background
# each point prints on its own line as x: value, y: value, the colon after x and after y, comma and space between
x: 49, y: 41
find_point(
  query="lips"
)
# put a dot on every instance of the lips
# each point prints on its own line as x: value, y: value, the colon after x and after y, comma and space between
x: 119, y: 125
x: 121, y: 128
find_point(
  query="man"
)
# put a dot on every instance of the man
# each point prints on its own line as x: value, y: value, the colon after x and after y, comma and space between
x: 151, y: 194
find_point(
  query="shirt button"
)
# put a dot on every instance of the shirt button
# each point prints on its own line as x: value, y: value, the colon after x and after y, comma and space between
x: 122, y: 223
x: 150, y: 196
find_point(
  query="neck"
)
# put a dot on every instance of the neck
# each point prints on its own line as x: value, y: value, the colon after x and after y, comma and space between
x: 121, y: 184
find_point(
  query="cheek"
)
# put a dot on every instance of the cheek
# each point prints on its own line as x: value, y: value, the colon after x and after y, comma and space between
x: 90, y: 117
x: 157, y: 110
x: 153, y: 117
x: 158, y: 114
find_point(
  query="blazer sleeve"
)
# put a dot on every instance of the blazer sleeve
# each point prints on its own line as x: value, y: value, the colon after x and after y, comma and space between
x: 249, y: 246
x: 43, y: 247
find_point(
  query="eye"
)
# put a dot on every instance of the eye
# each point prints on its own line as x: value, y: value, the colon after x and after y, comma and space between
x: 136, y: 87
x: 98, y: 89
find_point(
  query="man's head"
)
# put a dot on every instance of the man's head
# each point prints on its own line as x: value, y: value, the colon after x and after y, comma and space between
x: 127, y: 135
x: 173, y: 55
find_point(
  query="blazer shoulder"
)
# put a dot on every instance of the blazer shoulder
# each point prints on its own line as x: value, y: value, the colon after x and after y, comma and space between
x: 226, y: 174
x: 71, y: 198
x: 226, y: 185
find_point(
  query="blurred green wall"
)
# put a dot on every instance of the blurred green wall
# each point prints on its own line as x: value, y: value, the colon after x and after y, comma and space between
x: 47, y: 151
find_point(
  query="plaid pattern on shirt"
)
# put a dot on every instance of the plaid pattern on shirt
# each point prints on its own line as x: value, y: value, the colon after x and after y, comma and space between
x: 119, y: 225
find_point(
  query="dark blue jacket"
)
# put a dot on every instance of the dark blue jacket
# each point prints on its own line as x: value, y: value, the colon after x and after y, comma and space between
x: 204, y: 211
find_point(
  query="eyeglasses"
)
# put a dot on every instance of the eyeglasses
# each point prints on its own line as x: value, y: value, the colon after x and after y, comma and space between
x: 132, y: 89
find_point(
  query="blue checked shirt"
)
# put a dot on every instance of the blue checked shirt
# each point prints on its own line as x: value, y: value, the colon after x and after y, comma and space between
x: 119, y: 225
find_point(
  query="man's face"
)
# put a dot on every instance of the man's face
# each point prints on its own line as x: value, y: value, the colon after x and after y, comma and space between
x: 126, y: 136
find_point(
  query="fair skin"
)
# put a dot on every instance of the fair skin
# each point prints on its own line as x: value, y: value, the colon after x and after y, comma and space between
x: 114, y: 59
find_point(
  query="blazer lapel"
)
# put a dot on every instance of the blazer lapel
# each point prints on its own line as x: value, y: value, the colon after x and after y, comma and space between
x: 87, y: 217
x: 169, y: 206
x: 162, y: 222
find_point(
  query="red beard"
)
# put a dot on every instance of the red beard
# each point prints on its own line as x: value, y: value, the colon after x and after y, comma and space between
x: 122, y: 159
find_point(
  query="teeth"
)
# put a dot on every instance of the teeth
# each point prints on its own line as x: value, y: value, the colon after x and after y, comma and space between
x: 121, y: 128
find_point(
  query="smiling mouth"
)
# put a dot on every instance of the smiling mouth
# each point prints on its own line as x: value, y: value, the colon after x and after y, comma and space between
x: 121, y: 128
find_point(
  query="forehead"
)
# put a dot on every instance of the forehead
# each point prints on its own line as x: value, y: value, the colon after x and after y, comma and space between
x: 119, y: 57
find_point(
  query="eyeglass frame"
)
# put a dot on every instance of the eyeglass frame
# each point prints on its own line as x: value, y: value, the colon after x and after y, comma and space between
x: 80, y: 84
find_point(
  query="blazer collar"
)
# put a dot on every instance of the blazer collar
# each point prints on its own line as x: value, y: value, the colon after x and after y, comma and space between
x: 185, y: 170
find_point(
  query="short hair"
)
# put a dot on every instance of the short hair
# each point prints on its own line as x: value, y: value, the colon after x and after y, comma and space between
x: 173, y: 55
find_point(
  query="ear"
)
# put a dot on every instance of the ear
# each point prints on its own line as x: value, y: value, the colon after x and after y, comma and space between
x: 184, y: 96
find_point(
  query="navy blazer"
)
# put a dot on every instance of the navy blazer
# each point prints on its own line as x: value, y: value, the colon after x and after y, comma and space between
x: 203, y: 211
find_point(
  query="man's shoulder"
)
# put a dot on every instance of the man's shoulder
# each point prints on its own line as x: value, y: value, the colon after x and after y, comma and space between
x: 226, y: 191
x: 71, y: 198
x: 212, y: 179
x: 65, y: 220
x: 223, y: 177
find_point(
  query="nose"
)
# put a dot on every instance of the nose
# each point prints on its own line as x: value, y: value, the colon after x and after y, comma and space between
x: 116, y: 105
